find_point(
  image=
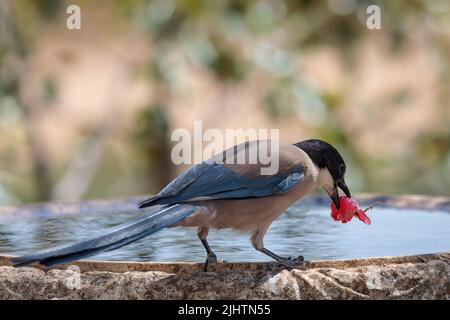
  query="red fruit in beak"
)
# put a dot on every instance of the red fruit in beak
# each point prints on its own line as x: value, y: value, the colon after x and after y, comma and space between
x: 348, y: 208
x: 363, y: 216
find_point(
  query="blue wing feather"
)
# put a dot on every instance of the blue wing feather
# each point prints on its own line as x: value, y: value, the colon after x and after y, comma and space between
x: 215, y: 181
x: 288, y: 183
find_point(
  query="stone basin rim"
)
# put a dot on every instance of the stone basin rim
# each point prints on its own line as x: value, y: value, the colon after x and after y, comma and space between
x: 191, y: 267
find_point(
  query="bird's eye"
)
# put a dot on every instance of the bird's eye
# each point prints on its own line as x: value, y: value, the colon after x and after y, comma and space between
x: 342, y: 168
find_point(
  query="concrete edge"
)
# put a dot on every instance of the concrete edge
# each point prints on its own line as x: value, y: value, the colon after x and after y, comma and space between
x: 191, y: 267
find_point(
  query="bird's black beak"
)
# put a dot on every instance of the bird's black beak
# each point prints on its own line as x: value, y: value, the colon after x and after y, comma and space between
x: 335, y: 194
x: 335, y: 197
x: 341, y: 184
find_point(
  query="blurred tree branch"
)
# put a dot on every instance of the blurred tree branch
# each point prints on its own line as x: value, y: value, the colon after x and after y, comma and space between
x: 17, y: 47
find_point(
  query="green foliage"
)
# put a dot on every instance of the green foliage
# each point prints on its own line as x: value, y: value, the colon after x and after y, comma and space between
x: 233, y: 42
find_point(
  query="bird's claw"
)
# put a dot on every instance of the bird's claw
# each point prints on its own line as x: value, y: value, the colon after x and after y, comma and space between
x: 292, y: 263
x: 210, y: 259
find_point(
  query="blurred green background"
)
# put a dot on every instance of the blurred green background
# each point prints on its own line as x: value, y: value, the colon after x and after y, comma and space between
x: 88, y: 113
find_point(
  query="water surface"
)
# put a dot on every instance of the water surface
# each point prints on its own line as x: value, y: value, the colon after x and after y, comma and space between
x: 309, y: 231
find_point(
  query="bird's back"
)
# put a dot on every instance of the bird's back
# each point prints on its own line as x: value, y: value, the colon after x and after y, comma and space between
x: 253, y: 213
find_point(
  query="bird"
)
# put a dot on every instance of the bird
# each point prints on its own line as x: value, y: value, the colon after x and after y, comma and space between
x: 221, y: 194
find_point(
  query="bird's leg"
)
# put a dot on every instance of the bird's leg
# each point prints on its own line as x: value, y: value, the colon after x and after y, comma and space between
x: 211, y: 257
x: 257, y: 242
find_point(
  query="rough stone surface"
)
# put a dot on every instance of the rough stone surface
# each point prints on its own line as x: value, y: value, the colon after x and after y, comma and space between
x: 412, y: 277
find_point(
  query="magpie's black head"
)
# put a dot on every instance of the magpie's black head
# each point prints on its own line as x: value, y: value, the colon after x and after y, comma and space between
x: 325, y: 156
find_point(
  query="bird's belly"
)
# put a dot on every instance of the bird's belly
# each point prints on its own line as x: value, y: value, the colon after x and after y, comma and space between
x: 247, y: 215
x: 243, y: 215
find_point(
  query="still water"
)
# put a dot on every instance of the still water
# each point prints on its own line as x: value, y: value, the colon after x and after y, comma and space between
x: 307, y: 231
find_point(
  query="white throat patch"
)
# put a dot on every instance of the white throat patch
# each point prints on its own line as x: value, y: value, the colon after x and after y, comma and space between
x: 325, y: 180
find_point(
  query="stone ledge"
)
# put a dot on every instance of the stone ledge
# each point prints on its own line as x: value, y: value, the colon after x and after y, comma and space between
x: 409, y: 277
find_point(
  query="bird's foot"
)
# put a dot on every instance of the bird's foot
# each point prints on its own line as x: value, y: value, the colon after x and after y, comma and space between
x: 292, y: 263
x: 211, y: 258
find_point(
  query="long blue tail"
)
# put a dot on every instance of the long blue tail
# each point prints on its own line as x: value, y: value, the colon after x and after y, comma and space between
x: 132, y: 231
